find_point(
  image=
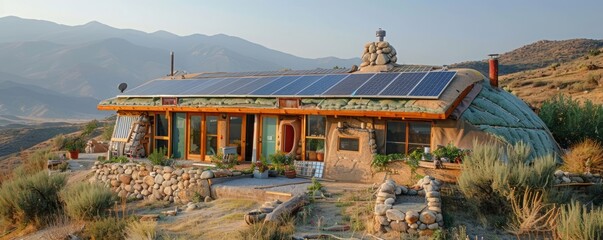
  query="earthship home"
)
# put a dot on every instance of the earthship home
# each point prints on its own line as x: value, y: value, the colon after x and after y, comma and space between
x: 332, y: 121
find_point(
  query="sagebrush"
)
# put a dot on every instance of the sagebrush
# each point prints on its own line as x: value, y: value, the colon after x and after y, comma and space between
x: 86, y: 201
x: 31, y: 198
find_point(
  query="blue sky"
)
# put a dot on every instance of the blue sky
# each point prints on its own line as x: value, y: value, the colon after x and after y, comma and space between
x: 423, y: 32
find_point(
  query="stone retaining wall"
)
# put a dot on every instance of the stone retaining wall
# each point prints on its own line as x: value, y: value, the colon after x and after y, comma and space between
x: 140, y: 181
x: 391, y: 215
x: 567, y: 177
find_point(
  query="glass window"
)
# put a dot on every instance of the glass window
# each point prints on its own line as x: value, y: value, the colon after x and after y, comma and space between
x: 235, y: 128
x: 316, y: 126
x: 349, y: 144
x: 161, y: 125
x: 195, y: 135
x: 315, y: 137
x: 396, y: 137
x: 159, y: 144
x: 211, y: 135
x: 419, y: 136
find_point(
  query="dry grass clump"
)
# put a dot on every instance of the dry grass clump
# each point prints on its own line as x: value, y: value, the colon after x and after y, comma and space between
x: 141, y: 230
x: 269, y: 230
x: 106, y: 228
x: 577, y: 222
x: 586, y: 156
x: 530, y: 213
x: 86, y: 201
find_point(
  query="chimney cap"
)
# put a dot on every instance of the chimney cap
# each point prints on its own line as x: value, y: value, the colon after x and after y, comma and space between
x: 380, y: 34
x: 493, y: 55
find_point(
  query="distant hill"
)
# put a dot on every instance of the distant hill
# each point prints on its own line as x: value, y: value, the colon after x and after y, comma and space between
x: 580, y: 78
x: 537, y: 55
x: 91, y: 59
x: 29, y: 101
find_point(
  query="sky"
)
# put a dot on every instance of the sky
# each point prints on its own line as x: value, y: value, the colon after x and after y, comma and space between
x: 422, y: 31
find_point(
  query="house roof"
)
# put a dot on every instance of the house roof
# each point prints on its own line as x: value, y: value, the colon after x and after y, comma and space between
x: 394, y: 106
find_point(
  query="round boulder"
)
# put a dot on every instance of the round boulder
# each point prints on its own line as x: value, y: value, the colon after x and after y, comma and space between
x: 394, y: 215
x: 207, y: 174
x: 428, y: 217
x: 411, y: 216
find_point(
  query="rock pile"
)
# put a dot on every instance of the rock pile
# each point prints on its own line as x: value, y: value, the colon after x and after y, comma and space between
x: 378, y: 53
x: 567, y: 177
x: 139, y: 181
x: 389, y: 218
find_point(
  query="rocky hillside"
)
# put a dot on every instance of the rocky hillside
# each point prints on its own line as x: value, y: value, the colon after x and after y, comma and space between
x: 580, y: 78
x: 540, y: 54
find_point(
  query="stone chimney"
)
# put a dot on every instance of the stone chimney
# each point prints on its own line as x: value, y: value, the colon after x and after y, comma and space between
x: 379, y: 56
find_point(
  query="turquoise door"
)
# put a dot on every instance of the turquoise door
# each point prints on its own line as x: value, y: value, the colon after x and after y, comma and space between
x: 268, y: 136
x: 178, y: 135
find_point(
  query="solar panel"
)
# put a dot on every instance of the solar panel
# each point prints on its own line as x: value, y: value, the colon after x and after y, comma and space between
x: 296, y: 85
x: 271, y: 73
x: 376, y: 84
x: 348, y: 85
x: 322, y: 85
x: 403, y: 84
x: 274, y: 85
x: 413, y: 85
x: 433, y: 84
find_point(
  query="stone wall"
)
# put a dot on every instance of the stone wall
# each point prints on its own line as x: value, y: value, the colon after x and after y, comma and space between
x: 378, y: 53
x: 140, y: 181
x: 393, y: 213
x: 562, y: 177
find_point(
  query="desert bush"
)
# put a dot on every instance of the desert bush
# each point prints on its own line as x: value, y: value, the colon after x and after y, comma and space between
x: 594, y: 52
x: 120, y: 159
x: 585, y: 156
x: 157, y: 157
x: 571, y: 122
x: 85, y: 201
x: 141, y: 231
x: 107, y: 132
x: 35, y: 162
x: 575, y: 221
x: 90, y: 127
x: 31, y: 198
x: 539, y: 84
x: 58, y: 142
x: 106, y: 228
x: 269, y: 230
x: 491, y: 171
x: 530, y: 213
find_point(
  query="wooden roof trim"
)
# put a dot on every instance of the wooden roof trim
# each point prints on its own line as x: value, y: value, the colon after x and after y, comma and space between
x: 459, y: 99
x: 355, y: 113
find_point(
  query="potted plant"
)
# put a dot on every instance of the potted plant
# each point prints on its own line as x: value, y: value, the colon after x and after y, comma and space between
x: 320, y: 153
x: 290, y: 171
x: 261, y: 169
x: 74, y: 146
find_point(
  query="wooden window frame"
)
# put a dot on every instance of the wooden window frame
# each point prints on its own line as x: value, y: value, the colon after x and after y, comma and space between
x: 407, y: 132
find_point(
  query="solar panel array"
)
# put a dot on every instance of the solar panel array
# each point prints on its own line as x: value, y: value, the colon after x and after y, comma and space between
x: 411, y: 85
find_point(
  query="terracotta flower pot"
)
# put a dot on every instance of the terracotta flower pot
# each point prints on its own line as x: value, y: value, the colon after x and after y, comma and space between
x: 74, y: 154
x: 320, y: 156
x: 290, y: 173
x: 312, y: 155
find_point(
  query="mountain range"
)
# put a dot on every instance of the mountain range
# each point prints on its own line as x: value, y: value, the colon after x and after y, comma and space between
x: 49, y: 70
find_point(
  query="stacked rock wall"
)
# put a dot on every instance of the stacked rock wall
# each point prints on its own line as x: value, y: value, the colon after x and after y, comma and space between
x: 378, y: 53
x: 389, y: 217
x: 139, y: 181
x: 567, y: 177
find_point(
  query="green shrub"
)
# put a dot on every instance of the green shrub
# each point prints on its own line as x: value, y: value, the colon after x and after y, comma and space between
x: 31, y: 198
x: 120, y: 159
x: 222, y: 163
x: 594, y: 52
x: 491, y: 171
x: 157, y: 157
x: 85, y: 201
x: 315, y: 186
x: 106, y: 228
x: 58, y: 142
x: 449, y: 151
x: 75, y: 144
x: 576, y: 222
x: 107, y: 132
x: 571, y: 122
x: 90, y: 127
x: 379, y: 162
